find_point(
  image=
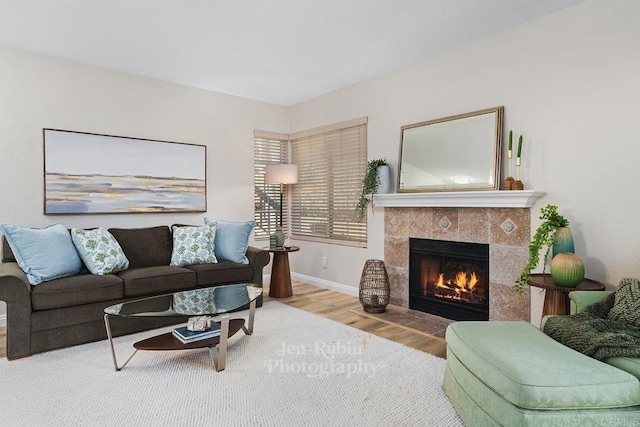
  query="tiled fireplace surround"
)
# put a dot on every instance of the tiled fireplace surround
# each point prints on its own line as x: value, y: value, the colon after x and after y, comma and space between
x: 506, y: 230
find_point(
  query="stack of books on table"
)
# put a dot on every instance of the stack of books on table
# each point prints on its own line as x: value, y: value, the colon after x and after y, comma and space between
x: 186, y: 336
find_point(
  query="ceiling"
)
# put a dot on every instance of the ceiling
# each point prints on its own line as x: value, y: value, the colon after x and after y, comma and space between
x: 277, y: 51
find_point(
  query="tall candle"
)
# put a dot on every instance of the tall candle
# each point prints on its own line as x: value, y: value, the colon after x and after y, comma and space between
x: 510, y: 139
x: 520, y: 146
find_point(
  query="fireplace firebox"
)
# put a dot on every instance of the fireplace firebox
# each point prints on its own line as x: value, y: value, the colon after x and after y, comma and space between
x: 449, y: 279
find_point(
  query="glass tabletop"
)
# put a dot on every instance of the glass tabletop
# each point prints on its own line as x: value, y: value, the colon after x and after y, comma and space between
x: 197, y: 302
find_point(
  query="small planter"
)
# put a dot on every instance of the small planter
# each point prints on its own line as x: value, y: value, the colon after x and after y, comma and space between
x: 372, y: 183
x: 383, y: 173
x: 544, y: 237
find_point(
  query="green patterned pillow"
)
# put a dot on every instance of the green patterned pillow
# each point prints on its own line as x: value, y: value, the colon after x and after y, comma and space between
x: 626, y: 308
x: 195, y: 302
x: 99, y: 250
x: 193, y: 245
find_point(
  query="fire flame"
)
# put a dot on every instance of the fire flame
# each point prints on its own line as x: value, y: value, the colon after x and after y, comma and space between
x: 461, y: 281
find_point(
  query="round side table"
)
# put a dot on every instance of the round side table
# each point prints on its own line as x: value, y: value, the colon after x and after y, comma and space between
x: 556, y: 298
x: 280, y: 285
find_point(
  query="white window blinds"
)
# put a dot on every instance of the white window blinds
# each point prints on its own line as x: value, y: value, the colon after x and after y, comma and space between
x: 269, y: 148
x: 331, y: 164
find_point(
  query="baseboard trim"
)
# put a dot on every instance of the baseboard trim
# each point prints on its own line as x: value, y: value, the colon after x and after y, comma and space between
x: 3, y: 320
x: 321, y: 283
x: 326, y: 284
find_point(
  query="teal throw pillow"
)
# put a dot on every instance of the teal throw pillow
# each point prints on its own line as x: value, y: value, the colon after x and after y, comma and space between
x: 193, y: 245
x: 43, y: 254
x: 232, y: 239
x: 99, y: 250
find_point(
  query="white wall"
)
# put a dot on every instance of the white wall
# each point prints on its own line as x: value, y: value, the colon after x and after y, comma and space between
x: 569, y: 82
x: 38, y: 92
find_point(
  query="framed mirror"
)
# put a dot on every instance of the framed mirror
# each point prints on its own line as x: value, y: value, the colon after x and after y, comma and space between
x: 457, y: 153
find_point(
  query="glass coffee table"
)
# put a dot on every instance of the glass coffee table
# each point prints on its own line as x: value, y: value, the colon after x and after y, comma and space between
x: 216, y: 301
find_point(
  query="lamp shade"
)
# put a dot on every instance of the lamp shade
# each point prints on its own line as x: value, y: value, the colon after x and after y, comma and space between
x: 282, y: 174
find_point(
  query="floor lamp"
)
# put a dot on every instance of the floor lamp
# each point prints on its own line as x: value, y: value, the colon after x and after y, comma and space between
x: 281, y: 174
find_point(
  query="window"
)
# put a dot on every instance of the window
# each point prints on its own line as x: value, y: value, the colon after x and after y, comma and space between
x: 269, y: 148
x: 331, y: 163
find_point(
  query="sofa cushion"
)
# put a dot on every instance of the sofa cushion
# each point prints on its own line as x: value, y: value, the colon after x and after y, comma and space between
x: 43, y: 254
x: 156, y: 280
x: 76, y: 290
x: 533, y: 371
x: 145, y: 247
x: 232, y: 239
x: 223, y: 272
x: 193, y: 245
x: 99, y: 251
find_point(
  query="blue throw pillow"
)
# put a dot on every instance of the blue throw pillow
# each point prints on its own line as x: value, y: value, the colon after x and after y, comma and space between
x: 43, y: 254
x: 232, y: 239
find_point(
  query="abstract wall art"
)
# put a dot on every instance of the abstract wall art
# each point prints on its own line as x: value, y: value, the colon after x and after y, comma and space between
x: 87, y: 173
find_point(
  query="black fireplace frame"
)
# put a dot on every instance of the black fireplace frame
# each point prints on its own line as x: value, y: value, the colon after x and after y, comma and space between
x: 438, y: 307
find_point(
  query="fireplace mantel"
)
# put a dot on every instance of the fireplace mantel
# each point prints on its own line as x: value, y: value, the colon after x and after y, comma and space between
x: 460, y: 199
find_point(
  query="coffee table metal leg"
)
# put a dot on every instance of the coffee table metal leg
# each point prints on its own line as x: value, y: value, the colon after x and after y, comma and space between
x: 113, y: 350
x: 219, y: 353
x: 252, y: 314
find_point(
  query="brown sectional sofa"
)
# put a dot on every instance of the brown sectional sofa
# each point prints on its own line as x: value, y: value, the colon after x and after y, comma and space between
x: 69, y: 311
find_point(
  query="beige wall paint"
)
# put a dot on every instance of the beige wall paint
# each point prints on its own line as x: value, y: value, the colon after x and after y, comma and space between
x: 568, y: 82
x: 37, y: 92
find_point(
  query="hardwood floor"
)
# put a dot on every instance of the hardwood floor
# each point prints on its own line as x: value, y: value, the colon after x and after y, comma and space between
x: 335, y: 306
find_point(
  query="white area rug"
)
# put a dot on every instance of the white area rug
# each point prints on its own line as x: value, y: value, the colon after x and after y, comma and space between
x: 296, y: 369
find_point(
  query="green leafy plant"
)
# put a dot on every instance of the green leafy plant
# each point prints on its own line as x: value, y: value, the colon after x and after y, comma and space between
x: 543, y: 236
x: 370, y: 184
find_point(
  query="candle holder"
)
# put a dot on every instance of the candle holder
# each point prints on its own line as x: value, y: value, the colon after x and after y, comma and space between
x: 508, y: 181
x: 517, y: 184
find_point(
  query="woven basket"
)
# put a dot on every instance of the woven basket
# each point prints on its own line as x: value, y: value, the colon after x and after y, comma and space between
x: 374, y: 286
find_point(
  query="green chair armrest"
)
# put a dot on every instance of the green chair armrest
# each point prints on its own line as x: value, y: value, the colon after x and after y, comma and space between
x: 580, y: 300
x: 544, y: 320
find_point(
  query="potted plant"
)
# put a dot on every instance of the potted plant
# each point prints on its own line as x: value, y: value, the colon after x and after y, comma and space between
x: 544, y: 236
x: 370, y: 184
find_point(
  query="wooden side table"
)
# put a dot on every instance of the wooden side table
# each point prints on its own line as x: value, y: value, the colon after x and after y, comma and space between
x: 280, y: 286
x: 556, y: 298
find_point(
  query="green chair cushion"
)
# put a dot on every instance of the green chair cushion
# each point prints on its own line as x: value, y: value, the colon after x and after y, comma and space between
x: 527, y: 368
x: 628, y: 364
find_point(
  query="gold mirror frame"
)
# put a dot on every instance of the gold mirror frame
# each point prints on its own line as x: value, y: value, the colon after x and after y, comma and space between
x: 457, y: 153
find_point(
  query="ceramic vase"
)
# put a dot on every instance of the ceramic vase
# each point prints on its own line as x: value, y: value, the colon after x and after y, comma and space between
x: 563, y: 241
x: 383, y: 173
x: 279, y: 235
x: 567, y: 270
